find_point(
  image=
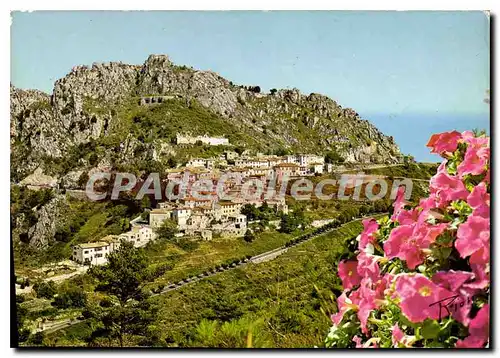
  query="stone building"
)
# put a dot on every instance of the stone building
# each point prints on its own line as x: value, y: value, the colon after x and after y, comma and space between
x: 92, y: 253
x: 139, y: 235
x: 187, y: 139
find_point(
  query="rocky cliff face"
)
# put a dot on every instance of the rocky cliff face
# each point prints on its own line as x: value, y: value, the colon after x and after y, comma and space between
x: 83, y: 107
x: 64, y: 136
x: 49, y: 217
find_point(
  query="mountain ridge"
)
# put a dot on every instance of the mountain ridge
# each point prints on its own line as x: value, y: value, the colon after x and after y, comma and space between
x: 91, y: 102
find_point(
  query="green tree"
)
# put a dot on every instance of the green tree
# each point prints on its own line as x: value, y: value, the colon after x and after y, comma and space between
x: 333, y: 157
x: 167, y: 230
x: 281, y: 152
x: 293, y: 221
x: 72, y: 297
x: 251, y: 212
x: 146, y: 202
x: 249, y: 236
x: 21, y: 312
x: 125, y: 310
x: 171, y: 162
x: 45, y: 289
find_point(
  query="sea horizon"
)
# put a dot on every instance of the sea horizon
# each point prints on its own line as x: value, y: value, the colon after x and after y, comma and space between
x: 413, y: 137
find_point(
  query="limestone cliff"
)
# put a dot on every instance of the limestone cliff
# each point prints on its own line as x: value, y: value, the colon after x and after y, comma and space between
x: 84, y: 105
x: 94, y: 120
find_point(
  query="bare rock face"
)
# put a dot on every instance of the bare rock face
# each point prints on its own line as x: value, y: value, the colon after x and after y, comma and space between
x: 160, y: 76
x: 83, y: 107
x: 38, y: 178
x: 52, y: 213
x: 72, y: 179
x: 82, y: 99
x: 102, y: 82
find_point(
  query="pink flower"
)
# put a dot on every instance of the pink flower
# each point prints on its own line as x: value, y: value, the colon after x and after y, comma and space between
x: 473, y: 239
x: 479, y: 325
x: 368, y: 302
x: 470, y: 342
x: 344, y: 304
x: 357, y: 340
x: 447, y: 188
x: 371, y: 343
x: 428, y: 203
x: 370, y: 227
x: 481, y: 278
x: 420, y: 297
x: 478, y: 330
x: 383, y: 284
x: 444, y: 142
x: 348, y: 272
x: 407, y: 242
x: 452, y: 280
x: 368, y: 266
x: 399, y: 203
x: 470, y: 138
x: 475, y: 161
x: 395, y: 245
x: 479, y: 200
x: 487, y: 177
x: 464, y: 285
x: 460, y: 303
x: 399, y: 337
x: 407, y: 217
x: 467, y: 136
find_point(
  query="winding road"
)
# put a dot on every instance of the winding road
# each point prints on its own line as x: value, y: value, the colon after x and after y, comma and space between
x: 263, y: 257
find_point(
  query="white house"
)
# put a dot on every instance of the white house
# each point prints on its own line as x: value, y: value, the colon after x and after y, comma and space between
x: 139, y: 235
x: 158, y: 216
x: 308, y: 159
x: 234, y: 225
x: 196, y: 162
x: 317, y: 168
x: 186, y: 139
x: 229, y: 208
x: 92, y: 253
x: 181, y: 216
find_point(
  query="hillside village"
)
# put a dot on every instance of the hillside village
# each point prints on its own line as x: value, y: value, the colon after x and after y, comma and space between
x: 204, y: 217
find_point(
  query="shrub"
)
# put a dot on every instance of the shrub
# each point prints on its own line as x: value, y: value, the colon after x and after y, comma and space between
x: 249, y: 236
x: 73, y: 297
x: 45, y: 289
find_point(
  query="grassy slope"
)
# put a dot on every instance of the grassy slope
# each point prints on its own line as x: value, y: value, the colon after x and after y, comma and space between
x: 285, y: 302
x: 412, y: 170
x: 208, y: 254
x: 261, y: 290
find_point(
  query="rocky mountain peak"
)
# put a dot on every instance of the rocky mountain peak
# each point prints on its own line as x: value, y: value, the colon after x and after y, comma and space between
x: 84, y: 106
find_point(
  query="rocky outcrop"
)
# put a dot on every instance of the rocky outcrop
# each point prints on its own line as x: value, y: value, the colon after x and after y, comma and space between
x: 84, y: 104
x: 39, y: 179
x: 160, y: 76
x: 48, y: 218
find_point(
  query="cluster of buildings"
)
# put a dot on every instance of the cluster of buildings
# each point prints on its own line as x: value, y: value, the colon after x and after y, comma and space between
x: 96, y: 253
x: 210, y: 214
x: 264, y: 165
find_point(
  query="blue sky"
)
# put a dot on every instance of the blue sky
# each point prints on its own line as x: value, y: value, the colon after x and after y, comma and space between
x: 387, y: 65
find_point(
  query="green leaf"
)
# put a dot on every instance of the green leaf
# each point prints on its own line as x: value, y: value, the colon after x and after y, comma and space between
x: 435, y: 344
x: 430, y: 329
x: 405, y: 321
x: 446, y: 251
